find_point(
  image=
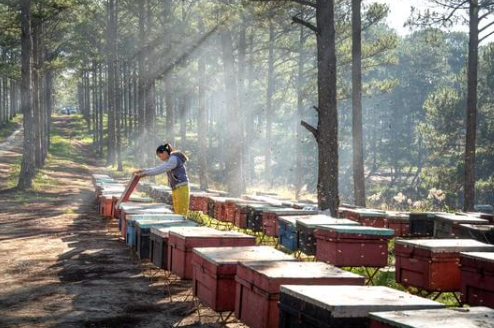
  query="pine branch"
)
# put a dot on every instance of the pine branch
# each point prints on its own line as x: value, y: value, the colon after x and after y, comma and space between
x: 300, y: 21
x: 311, y: 129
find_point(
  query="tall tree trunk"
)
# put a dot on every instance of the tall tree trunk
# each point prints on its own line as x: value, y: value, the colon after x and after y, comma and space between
x: 471, y: 117
x: 112, y: 138
x: 28, y: 170
x: 300, y: 111
x: 142, y: 72
x: 183, y: 120
x: 233, y: 150
x: 36, y: 35
x: 269, y: 106
x: 358, y: 148
x: 118, y: 91
x: 202, y: 125
x: 170, y: 103
x: 242, y: 97
x: 326, y: 133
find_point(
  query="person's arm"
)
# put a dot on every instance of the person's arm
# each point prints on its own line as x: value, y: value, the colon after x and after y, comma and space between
x: 170, y: 164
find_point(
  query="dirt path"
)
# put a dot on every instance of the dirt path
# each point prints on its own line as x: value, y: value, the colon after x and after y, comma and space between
x: 59, y: 265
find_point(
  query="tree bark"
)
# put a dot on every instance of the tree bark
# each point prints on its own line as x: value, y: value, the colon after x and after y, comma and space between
x: 471, y: 117
x: 358, y: 148
x: 300, y: 111
x: 233, y: 150
x: 269, y: 106
x: 327, y: 127
x: 28, y: 170
x: 202, y: 125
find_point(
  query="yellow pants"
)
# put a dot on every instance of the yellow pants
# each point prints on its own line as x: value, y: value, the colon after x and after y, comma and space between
x: 181, y: 200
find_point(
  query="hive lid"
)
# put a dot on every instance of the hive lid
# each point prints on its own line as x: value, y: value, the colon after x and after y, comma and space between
x: 430, y: 215
x: 316, y: 220
x: 448, y: 245
x: 483, y: 256
x: 479, y: 227
x: 163, y: 228
x: 363, y: 230
x: 131, y: 205
x: 367, y: 212
x: 204, y: 232
x: 288, y: 211
x: 232, y: 255
x: 401, y: 216
x: 299, y: 270
x: 148, y: 208
x: 460, y: 219
x: 147, y: 223
x: 475, y: 317
x: 159, y: 216
x: 358, y: 301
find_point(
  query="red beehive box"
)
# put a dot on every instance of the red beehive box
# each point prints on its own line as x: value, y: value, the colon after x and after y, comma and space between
x: 448, y: 225
x: 182, y: 240
x: 270, y: 218
x: 477, y: 278
x: 343, y: 306
x: 476, y: 317
x: 215, y: 269
x: 106, y: 205
x: 258, y: 287
x: 367, y: 217
x: 353, y: 246
x: 219, y: 207
x: 433, y: 264
x: 399, y: 222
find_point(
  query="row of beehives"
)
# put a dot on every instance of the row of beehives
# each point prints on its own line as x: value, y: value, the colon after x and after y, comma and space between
x: 228, y: 279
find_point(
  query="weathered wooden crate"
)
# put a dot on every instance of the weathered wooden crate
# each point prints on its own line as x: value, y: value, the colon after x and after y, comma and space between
x: 342, y: 306
x: 158, y: 241
x: 353, y: 246
x: 182, y: 240
x: 433, y: 264
x: 306, y: 226
x: 476, y: 317
x: 258, y: 287
x: 215, y: 269
x: 477, y: 278
x: 448, y: 225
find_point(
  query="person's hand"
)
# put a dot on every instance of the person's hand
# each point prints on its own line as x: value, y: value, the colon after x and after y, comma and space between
x: 138, y: 173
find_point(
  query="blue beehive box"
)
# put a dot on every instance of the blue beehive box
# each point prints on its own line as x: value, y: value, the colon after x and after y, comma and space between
x: 130, y: 236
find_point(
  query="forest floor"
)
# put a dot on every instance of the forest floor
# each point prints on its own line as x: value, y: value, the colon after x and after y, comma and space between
x: 62, y: 265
